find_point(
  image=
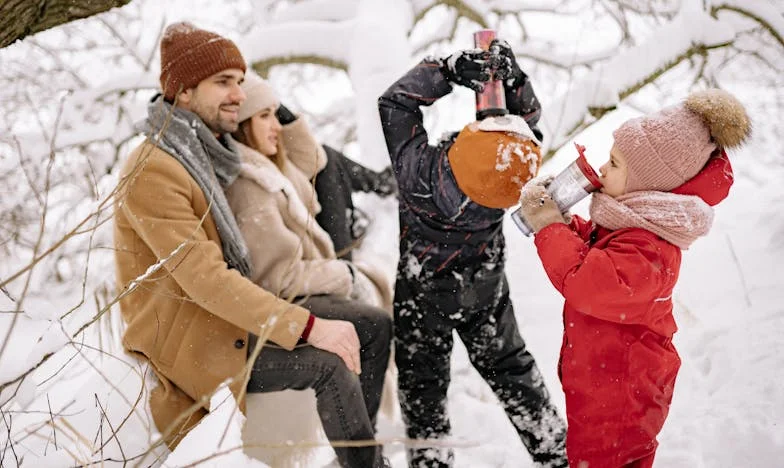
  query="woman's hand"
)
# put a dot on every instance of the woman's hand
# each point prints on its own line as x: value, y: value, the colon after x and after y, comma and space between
x: 284, y: 115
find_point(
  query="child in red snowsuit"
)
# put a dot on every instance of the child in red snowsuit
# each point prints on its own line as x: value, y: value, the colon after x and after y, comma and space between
x: 618, y: 270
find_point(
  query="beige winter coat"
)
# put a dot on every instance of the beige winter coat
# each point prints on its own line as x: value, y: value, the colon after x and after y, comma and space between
x: 275, y: 209
x: 187, y: 313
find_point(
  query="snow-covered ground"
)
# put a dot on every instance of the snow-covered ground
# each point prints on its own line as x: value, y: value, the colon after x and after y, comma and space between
x: 728, y: 409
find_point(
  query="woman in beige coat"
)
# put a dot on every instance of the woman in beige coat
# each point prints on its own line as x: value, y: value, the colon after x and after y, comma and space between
x: 275, y: 206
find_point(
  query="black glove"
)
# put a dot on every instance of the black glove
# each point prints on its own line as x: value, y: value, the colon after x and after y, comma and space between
x: 385, y: 182
x: 508, y: 70
x: 284, y: 115
x: 470, y: 68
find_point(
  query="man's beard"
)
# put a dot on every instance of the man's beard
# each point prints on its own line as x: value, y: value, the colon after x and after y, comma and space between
x: 213, y: 120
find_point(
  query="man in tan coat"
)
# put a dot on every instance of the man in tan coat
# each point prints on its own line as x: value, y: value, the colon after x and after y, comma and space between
x: 183, y: 267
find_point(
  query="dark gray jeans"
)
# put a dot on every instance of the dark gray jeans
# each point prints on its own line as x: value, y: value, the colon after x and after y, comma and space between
x: 347, y: 404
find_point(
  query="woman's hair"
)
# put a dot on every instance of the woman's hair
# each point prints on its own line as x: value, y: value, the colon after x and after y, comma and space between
x: 245, y: 136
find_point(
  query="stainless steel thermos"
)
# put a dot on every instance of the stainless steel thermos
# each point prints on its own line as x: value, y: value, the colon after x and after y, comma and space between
x: 570, y: 186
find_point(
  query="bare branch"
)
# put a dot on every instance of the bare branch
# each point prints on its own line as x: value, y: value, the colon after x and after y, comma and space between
x: 777, y: 35
x: 20, y: 18
x: 51, y: 418
x: 263, y: 67
x: 38, y: 241
x: 463, y: 9
x: 9, y: 443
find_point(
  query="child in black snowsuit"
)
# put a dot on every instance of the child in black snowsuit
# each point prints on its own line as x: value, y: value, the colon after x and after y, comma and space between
x: 452, y: 252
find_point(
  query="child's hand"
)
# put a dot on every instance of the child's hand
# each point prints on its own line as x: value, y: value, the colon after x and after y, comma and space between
x: 537, y: 207
x: 470, y: 68
x: 508, y: 70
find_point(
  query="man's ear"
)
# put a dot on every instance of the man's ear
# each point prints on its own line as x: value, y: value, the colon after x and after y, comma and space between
x: 185, y: 97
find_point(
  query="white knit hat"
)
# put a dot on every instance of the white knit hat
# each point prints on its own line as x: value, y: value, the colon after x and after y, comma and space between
x: 260, y: 95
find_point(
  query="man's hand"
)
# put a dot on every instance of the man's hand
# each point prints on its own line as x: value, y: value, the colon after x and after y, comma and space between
x: 470, y: 68
x: 338, y: 337
x: 537, y: 207
x: 508, y: 70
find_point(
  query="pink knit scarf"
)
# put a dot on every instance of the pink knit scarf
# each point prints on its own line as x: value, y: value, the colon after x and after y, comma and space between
x: 678, y: 219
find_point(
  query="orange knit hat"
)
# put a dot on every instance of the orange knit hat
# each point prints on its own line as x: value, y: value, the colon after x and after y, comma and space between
x: 189, y: 55
x: 494, y: 158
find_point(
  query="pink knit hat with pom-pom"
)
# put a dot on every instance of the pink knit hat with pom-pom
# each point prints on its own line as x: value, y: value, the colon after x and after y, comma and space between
x: 665, y: 149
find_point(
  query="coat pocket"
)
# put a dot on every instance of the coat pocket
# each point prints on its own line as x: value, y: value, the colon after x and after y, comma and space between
x: 172, y: 344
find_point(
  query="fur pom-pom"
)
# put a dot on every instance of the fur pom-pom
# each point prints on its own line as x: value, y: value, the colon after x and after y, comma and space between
x: 725, y: 116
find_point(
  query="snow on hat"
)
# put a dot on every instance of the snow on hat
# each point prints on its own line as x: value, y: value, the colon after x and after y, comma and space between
x: 492, y: 160
x: 665, y: 149
x: 189, y: 55
x: 259, y: 95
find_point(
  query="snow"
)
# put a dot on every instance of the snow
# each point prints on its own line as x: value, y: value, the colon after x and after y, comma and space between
x: 728, y: 408
x: 318, y: 10
x: 208, y: 448
x: 766, y: 9
x: 602, y: 88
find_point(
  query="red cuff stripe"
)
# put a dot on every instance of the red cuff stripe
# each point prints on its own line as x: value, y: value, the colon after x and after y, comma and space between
x: 308, y: 327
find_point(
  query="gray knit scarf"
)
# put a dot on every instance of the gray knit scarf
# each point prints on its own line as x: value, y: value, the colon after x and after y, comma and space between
x: 187, y: 139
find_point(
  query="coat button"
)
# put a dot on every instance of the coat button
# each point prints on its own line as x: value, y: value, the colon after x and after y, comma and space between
x: 239, y: 344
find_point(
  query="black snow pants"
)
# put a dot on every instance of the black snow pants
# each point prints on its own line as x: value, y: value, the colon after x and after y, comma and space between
x: 475, y: 302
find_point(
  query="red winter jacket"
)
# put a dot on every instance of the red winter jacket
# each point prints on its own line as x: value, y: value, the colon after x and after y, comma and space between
x: 617, y: 363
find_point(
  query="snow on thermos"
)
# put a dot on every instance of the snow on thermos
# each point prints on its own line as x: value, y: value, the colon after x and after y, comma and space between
x: 573, y: 184
x: 492, y: 100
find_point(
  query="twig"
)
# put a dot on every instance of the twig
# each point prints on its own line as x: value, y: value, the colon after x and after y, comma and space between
x: 424, y: 443
x: 114, y: 433
x: 61, y: 368
x: 51, y: 418
x: 132, y: 406
x: 28, y: 431
x: 41, y: 231
x: 10, y: 442
x: 740, y: 271
x: 7, y: 294
x: 75, y: 436
x: 86, y: 269
x: 129, y: 288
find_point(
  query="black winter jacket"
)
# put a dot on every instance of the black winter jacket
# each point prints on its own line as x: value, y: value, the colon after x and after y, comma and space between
x: 437, y: 220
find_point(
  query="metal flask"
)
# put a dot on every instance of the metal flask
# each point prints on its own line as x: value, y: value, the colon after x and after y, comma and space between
x: 570, y: 186
x: 492, y: 100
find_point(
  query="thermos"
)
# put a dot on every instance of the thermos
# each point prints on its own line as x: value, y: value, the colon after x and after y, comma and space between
x: 492, y: 100
x: 570, y: 186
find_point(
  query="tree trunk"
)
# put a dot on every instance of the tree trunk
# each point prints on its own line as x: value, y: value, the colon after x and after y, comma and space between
x: 21, y: 18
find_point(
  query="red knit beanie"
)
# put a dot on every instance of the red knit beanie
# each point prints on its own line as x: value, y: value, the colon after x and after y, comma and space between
x: 665, y: 149
x: 189, y: 55
x: 492, y: 160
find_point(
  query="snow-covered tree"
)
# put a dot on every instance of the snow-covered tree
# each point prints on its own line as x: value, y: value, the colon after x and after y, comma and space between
x: 70, y: 96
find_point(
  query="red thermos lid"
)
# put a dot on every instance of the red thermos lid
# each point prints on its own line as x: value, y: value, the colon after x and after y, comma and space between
x: 492, y: 100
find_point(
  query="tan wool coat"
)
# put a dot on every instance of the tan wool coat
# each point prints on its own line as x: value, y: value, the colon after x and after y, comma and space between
x: 187, y: 313
x: 275, y: 208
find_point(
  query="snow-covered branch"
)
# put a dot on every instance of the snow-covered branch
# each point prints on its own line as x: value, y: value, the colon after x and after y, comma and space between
x: 584, y: 57
x: 20, y: 19
x: 692, y: 32
x: 761, y: 11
